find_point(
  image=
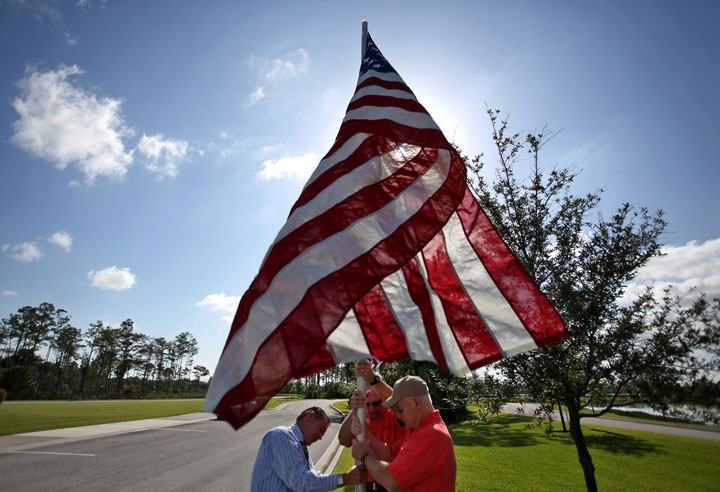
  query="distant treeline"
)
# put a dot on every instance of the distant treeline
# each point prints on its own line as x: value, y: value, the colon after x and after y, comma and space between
x: 43, y: 356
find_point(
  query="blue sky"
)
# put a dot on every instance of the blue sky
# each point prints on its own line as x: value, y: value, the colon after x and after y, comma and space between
x: 150, y: 151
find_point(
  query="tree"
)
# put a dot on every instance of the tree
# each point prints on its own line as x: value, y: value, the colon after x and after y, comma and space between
x: 107, y: 344
x: 128, y: 344
x: 200, y: 372
x: 67, y: 342
x: 93, y: 336
x: 187, y: 349
x: 101, y: 362
x: 619, y: 352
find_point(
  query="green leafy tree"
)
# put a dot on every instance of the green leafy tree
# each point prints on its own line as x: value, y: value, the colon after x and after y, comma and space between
x: 128, y: 343
x: 450, y: 394
x: 187, y: 349
x: 107, y: 346
x: 93, y: 342
x: 67, y: 342
x: 619, y: 352
x: 200, y: 372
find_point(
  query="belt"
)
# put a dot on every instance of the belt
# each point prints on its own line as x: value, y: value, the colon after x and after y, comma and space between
x: 375, y: 486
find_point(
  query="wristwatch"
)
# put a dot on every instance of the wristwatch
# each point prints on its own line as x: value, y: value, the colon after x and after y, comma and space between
x: 341, y: 482
x: 375, y: 380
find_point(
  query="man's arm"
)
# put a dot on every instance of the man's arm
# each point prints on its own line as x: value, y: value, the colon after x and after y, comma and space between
x: 345, y: 435
x: 378, y: 448
x: 364, y: 369
x: 379, y: 469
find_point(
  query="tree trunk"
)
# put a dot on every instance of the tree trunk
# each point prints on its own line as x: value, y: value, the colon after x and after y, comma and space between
x: 581, y: 446
x: 562, y: 415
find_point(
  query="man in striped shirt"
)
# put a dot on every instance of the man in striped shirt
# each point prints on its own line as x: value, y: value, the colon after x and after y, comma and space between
x: 284, y: 464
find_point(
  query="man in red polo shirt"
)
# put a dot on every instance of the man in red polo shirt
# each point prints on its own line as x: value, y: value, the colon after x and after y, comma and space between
x: 426, y: 461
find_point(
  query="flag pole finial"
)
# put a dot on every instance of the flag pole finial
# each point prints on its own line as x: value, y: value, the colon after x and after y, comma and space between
x: 364, y: 37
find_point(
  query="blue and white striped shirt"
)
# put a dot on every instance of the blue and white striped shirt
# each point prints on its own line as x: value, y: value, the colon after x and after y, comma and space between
x: 281, y: 465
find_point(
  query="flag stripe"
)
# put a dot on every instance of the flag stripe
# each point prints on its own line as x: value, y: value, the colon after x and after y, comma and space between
x: 385, y: 338
x: 347, y: 342
x: 376, y: 90
x: 355, y: 181
x: 496, y: 313
x: 425, y: 137
x: 343, y: 150
x: 368, y: 115
x: 369, y: 103
x: 384, y: 79
x: 421, y: 297
x: 373, y: 147
x: 537, y: 315
x: 467, y: 326
x: 408, y: 316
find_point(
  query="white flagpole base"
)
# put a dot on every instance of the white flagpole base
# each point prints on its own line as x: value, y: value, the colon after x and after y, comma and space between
x: 361, y: 386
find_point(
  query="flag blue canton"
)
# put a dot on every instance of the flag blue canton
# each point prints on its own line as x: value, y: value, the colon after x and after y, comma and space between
x: 374, y: 60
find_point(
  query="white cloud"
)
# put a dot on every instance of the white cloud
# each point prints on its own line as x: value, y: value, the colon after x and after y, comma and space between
x: 292, y: 65
x: 24, y: 252
x: 71, y: 41
x: 62, y: 239
x: 275, y: 70
x: 62, y: 123
x: 164, y: 154
x: 221, y: 303
x: 112, y: 278
x: 289, y: 167
x: 256, y: 96
x: 41, y: 10
x: 8, y: 293
x: 693, y: 265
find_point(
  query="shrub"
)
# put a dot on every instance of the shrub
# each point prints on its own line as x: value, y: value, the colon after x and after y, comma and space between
x: 3, y: 395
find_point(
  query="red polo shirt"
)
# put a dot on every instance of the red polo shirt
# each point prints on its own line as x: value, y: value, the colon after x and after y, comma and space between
x: 426, y: 462
x: 387, y: 429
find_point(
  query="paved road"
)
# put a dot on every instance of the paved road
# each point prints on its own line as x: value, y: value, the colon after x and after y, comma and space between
x: 203, y: 455
x: 676, y: 430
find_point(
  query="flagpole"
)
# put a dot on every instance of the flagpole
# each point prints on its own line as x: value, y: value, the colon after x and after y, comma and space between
x: 361, y: 383
x: 361, y: 412
x: 364, y: 39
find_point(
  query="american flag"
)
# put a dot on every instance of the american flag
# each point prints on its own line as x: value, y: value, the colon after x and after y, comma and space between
x: 387, y: 254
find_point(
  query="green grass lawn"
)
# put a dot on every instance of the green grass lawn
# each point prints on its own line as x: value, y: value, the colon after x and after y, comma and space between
x: 18, y: 417
x: 343, y: 406
x: 505, y: 455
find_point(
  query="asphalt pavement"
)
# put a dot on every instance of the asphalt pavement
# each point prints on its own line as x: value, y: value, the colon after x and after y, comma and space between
x: 17, y: 443
x: 619, y: 423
